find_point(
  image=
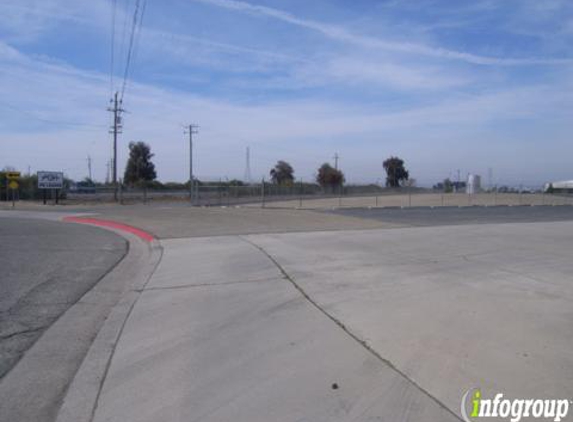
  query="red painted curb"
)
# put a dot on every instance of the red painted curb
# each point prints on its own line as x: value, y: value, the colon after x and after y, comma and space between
x: 112, y: 224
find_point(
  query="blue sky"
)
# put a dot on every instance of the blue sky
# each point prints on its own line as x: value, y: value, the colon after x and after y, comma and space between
x: 445, y: 85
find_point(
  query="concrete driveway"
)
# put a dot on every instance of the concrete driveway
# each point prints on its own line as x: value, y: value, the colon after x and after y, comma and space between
x: 392, y: 324
x: 219, y: 334
x: 454, y: 308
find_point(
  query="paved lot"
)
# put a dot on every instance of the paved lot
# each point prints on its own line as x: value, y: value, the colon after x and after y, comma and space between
x: 46, y: 267
x: 180, y: 221
x: 424, y: 200
x: 456, y: 307
x: 453, y: 216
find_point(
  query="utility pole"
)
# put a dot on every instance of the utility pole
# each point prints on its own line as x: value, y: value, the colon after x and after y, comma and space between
x: 108, y: 166
x: 115, y: 129
x: 192, y: 130
x: 336, y: 157
x: 90, y: 167
x: 248, y: 167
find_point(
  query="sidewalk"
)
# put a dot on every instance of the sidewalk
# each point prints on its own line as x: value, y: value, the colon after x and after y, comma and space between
x: 218, y: 334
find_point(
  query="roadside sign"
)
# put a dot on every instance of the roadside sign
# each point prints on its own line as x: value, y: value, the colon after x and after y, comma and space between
x: 12, y: 185
x: 50, y: 180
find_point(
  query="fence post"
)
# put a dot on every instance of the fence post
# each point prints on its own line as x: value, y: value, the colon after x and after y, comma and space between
x: 300, y: 194
x: 409, y: 196
x: 120, y: 193
x: 340, y: 196
x: 263, y: 193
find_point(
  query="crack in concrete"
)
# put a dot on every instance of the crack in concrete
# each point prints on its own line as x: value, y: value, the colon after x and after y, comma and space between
x: 190, y: 286
x: 354, y: 336
x: 17, y: 333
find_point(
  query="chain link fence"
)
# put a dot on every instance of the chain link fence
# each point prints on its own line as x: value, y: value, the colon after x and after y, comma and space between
x: 311, y: 196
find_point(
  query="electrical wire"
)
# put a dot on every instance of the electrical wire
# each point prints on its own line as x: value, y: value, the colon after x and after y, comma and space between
x: 112, y: 57
x: 130, y: 47
x: 124, y: 30
x: 138, y: 34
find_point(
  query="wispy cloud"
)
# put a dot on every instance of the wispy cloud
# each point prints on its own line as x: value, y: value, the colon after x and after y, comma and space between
x: 379, y: 72
x: 231, y: 48
x: 25, y: 21
x: 313, y: 126
x: 349, y: 70
x: 342, y: 34
x: 200, y: 51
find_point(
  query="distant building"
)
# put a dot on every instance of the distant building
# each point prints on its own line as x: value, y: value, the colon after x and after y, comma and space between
x: 474, y: 184
x: 562, y: 186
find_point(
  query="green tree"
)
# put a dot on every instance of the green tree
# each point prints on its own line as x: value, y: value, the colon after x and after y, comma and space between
x: 448, y: 186
x: 395, y: 172
x: 139, y: 168
x: 87, y: 181
x: 329, y: 177
x: 282, y: 173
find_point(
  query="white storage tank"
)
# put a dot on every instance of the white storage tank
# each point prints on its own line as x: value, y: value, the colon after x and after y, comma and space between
x: 474, y: 184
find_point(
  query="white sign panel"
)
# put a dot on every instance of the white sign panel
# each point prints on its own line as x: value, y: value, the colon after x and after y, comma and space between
x: 50, y: 180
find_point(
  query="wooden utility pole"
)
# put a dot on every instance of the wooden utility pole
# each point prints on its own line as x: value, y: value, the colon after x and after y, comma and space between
x: 115, y: 129
x: 192, y: 130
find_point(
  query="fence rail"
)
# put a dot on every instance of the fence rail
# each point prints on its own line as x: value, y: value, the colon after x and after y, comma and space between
x: 309, y: 196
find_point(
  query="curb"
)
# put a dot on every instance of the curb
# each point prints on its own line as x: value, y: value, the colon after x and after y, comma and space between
x: 122, y: 228
x: 145, y: 252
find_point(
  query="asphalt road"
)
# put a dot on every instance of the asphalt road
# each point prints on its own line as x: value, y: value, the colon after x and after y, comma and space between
x: 447, y: 216
x: 45, y: 267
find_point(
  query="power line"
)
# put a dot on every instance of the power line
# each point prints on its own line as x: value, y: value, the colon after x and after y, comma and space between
x: 134, y: 24
x: 124, y: 30
x: 138, y: 34
x: 112, y: 57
